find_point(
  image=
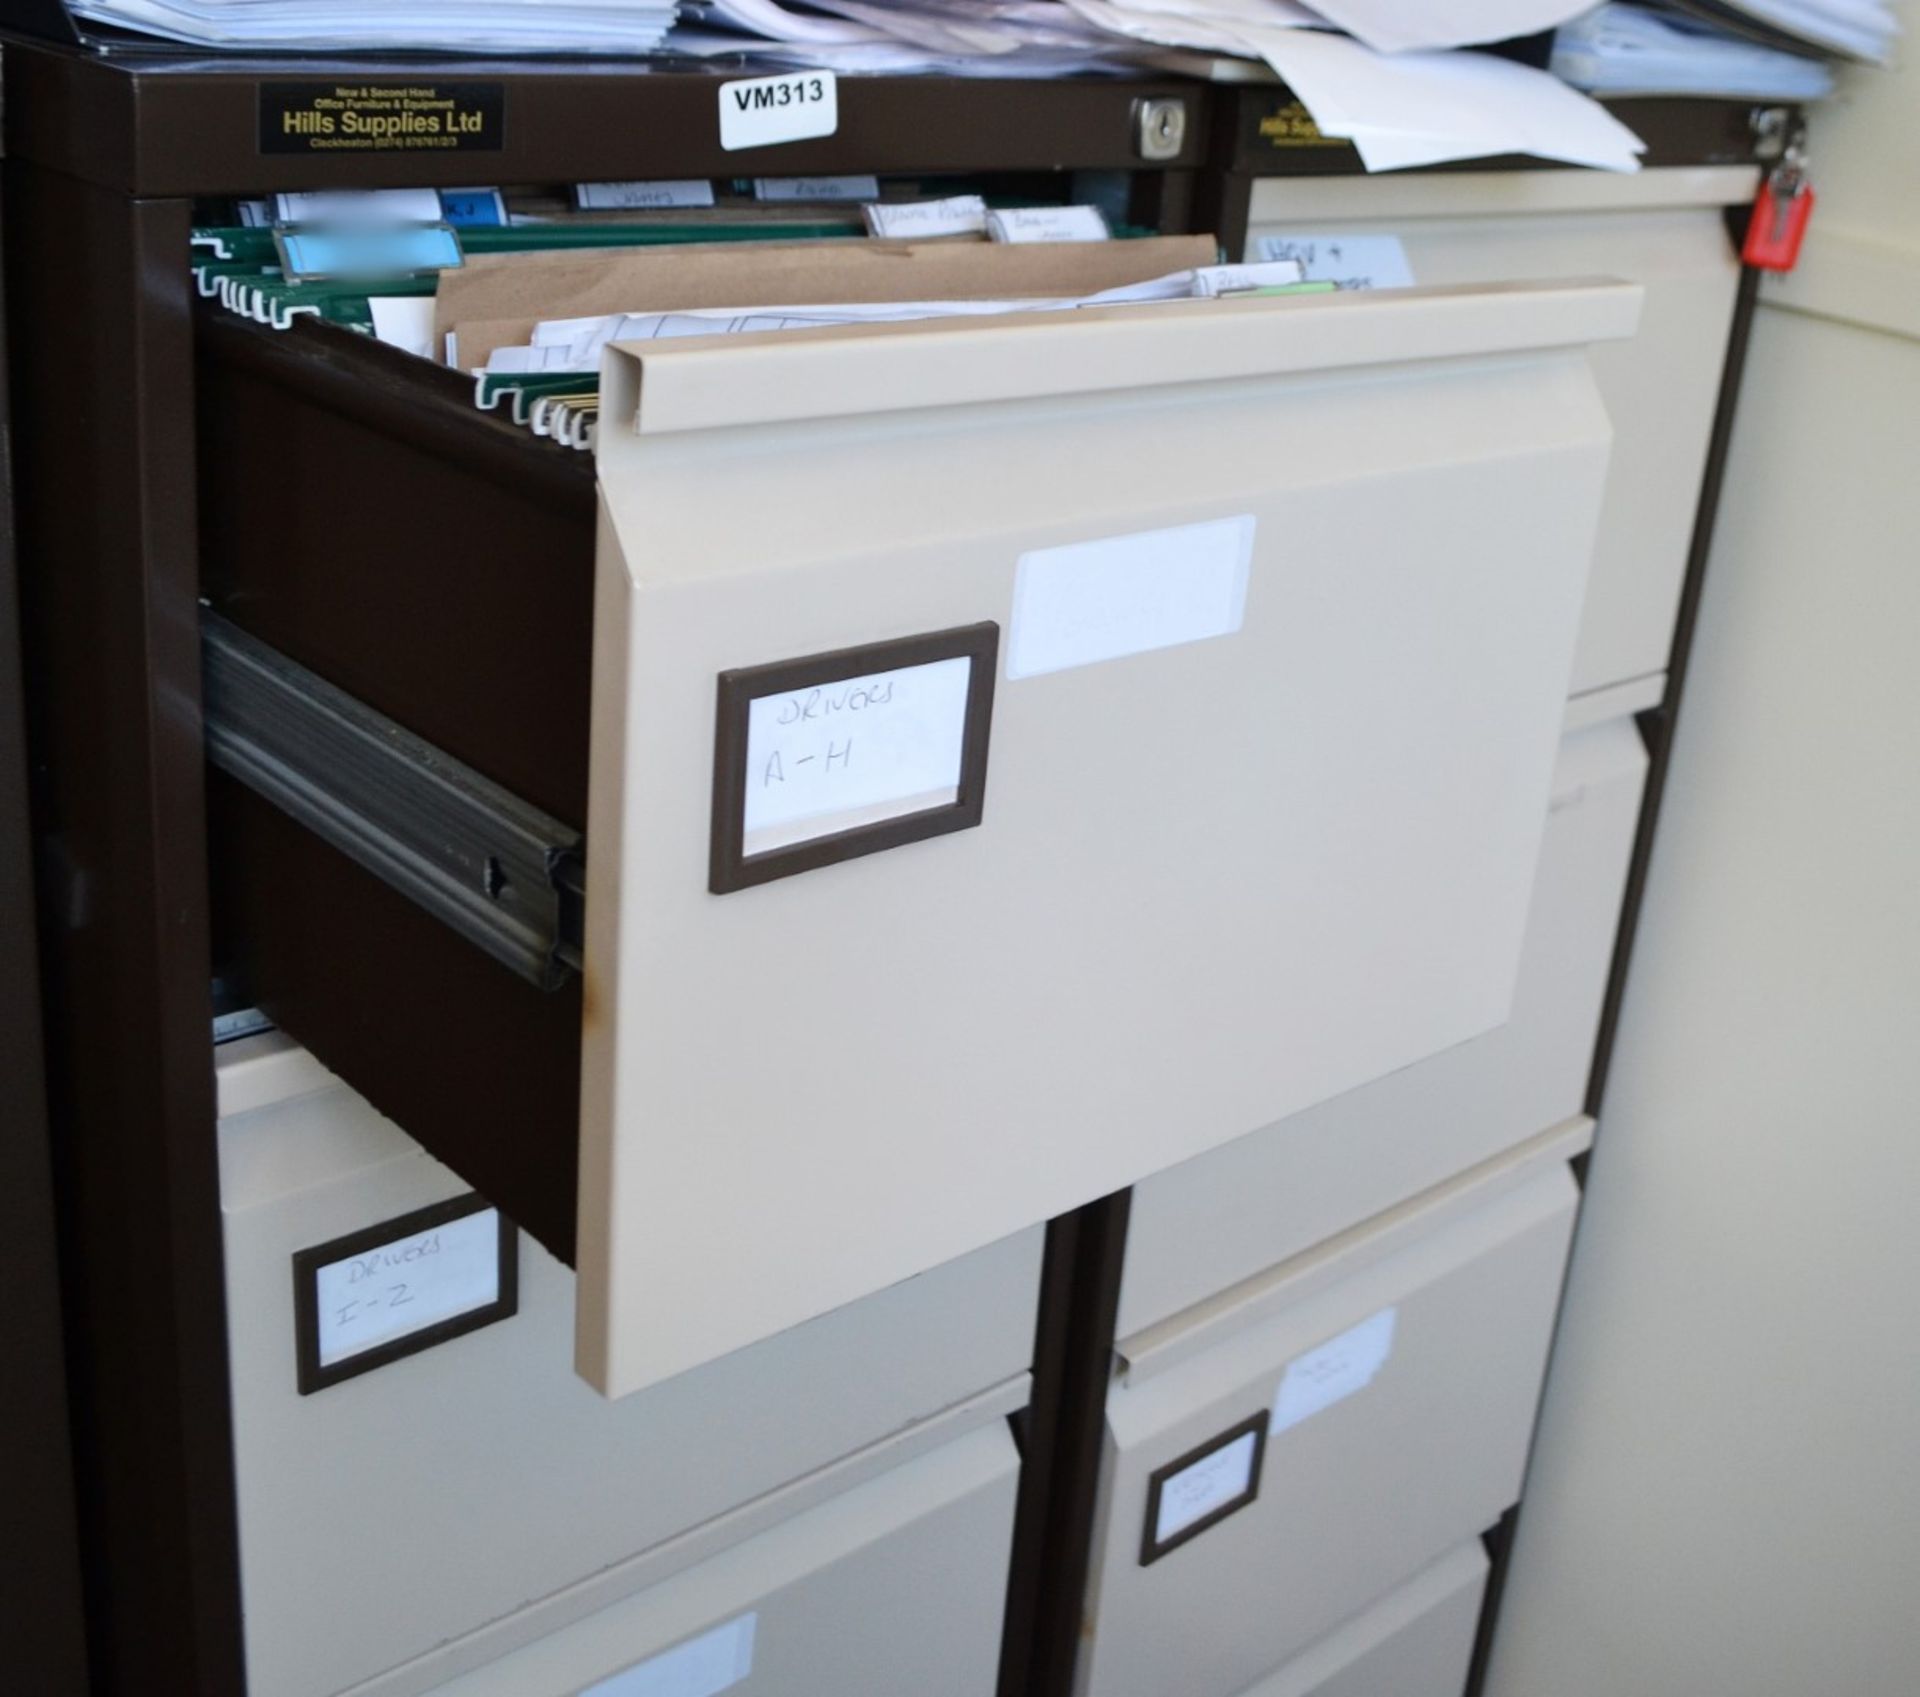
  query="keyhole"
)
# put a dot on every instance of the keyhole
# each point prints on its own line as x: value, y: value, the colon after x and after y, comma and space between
x: 494, y: 878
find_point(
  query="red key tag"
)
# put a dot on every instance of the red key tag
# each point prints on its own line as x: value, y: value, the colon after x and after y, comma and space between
x: 1779, y: 221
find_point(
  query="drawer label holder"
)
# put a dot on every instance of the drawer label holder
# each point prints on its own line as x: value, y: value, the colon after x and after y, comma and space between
x: 843, y: 754
x: 394, y: 1289
x: 1198, y: 1490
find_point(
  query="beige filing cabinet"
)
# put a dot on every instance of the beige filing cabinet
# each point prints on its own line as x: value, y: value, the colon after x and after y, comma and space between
x: 1275, y: 602
x: 1225, y: 1216
x: 1662, y: 229
x: 1286, y: 1454
x: 405, y: 1525
x: 1415, y: 1642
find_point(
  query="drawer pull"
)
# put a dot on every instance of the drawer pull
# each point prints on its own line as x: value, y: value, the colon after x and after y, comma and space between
x: 500, y: 872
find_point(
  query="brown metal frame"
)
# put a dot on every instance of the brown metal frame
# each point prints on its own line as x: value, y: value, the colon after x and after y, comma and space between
x: 42, y: 1629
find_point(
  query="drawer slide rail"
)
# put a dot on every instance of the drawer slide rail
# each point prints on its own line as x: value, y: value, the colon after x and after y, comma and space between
x: 499, y: 871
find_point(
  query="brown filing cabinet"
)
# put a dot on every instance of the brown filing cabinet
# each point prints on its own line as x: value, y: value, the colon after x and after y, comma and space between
x: 345, y: 508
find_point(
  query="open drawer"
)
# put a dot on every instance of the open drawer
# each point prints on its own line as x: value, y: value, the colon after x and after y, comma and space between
x: 1180, y: 687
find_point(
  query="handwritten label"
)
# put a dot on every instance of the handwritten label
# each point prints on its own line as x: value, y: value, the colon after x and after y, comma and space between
x: 1206, y: 1487
x: 762, y: 111
x: 404, y: 1286
x: 957, y: 215
x: 1048, y: 224
x: 815, y: 188
x: 1092, y: 601
x: 1334, y: 1371
x: 716, y: 1661
x: 854, y: 752
x: 643, y: 197
x: 1347, y: 262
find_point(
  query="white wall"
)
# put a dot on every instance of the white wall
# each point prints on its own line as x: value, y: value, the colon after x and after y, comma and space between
x: 1725, y: 1497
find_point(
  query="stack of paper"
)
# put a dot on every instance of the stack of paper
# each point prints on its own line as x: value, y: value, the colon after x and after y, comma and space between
x: 1384, y: 86
x: 1859, y: 29
x: 1629, y: 49
x: 575, y: 344
x: 475, y: 26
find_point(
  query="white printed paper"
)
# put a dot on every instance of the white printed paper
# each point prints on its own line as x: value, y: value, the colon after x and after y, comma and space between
x: 854, y: 752
x: 716, y: 1661
x: 763, y: 111
x: 644, y: 197
x: 1210, y: 1483
x: 815, y: 188
x: 1048, y: 224
x: 957, y: 215
x: 404, y: 321
x: 1333, y: 1371
x: 1093, y: 601
x: 409, y: 1284
x: 1347, y: 262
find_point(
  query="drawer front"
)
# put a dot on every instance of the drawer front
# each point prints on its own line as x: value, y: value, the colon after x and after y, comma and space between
x: 1255, y: 828
x: 1396, y: 1404
x: 1417, y: 1642
x: 1225, y: 1216
x: 487, y: 1448
x: 1661, y: 389
x: 896, y: 1586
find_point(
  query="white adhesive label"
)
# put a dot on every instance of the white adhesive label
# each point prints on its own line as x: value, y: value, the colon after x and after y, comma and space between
x: 1212, y: 1482
x: 854, y: 752
x: 1334, y: 1371
x: 1048, y: 224
x: 1347, y: 262
x: 643, y: 197
x: 957, y: 215
x: 815, y: 188
x: 762, y: 111
x: 1092, y: 601
x: 407, y: 1285
x: 716, y: 1661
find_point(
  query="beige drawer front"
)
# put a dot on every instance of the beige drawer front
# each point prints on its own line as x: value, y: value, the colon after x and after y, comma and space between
x: 487, y: 1449
x: 1417, y: 1642
x: 1663, y: 230
x: 1266, y: 849
x: 895, y: 1586
x: 1392, y: 1378
x: 1225, y: 1216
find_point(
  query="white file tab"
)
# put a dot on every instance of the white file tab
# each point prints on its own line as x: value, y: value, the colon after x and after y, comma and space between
x: 761, y: 111
x: 854, y: 752
x: 644, y: 197
x: 1048, y: 224
x: 1347, y: 262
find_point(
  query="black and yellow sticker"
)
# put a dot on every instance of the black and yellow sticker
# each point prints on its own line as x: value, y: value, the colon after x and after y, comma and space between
x: 382, y: 117
x: 1293, y: 126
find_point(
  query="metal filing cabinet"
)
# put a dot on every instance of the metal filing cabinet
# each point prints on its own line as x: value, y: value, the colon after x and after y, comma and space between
x: 1289, y: 1452
x: 403, y: 1525
x: 1228, y: 1215
x: 1312, y: 775
x: 1663, y: 229
x: 1415, y: 1642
